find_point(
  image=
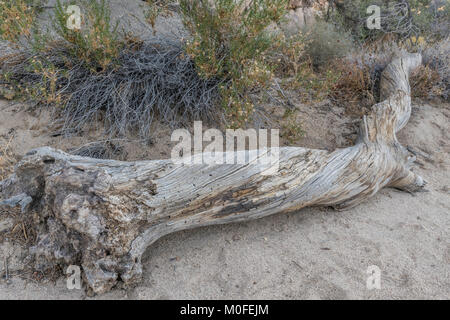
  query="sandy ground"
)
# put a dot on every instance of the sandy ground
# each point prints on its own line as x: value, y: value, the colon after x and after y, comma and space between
x: 312, y: 254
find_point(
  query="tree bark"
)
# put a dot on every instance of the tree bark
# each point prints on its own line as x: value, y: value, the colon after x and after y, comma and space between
x: 103, y: 214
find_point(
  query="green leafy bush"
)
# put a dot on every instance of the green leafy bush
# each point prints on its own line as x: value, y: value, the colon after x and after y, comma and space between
x: 97, y: 43
x: 230, y: 42
x: 95, y: 46
x: 17, y: 18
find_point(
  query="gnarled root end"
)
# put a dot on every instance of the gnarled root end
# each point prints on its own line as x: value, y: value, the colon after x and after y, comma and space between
x: 409, y: 182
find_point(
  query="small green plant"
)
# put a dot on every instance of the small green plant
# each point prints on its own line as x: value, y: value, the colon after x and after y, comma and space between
x: 46, y: 91
x: 17, y: 18
x: 97, y: 43
x: 289, y: 55
x: 230, y: 42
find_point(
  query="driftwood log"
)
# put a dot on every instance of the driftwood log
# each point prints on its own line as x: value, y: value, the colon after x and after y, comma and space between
x: 103, y: 214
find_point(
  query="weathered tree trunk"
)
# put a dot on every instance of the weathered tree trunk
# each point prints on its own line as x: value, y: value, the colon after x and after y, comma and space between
x: 103, y: 214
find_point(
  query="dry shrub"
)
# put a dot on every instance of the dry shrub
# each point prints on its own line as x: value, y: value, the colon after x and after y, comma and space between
x: 313, y: 85
x: 325, y: 43
x: 306, y: 61
x: 437, y: 58
x: 403, y: 19
x: 94, y: 74
x: 425, y: 82
x: 358, y: 86
x: 293, y: 64
x: 288, y: 55
x: 154, y: 80
x: 354, y: 86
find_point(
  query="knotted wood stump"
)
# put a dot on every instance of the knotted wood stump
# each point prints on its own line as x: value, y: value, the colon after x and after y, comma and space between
x: 103, y: 214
